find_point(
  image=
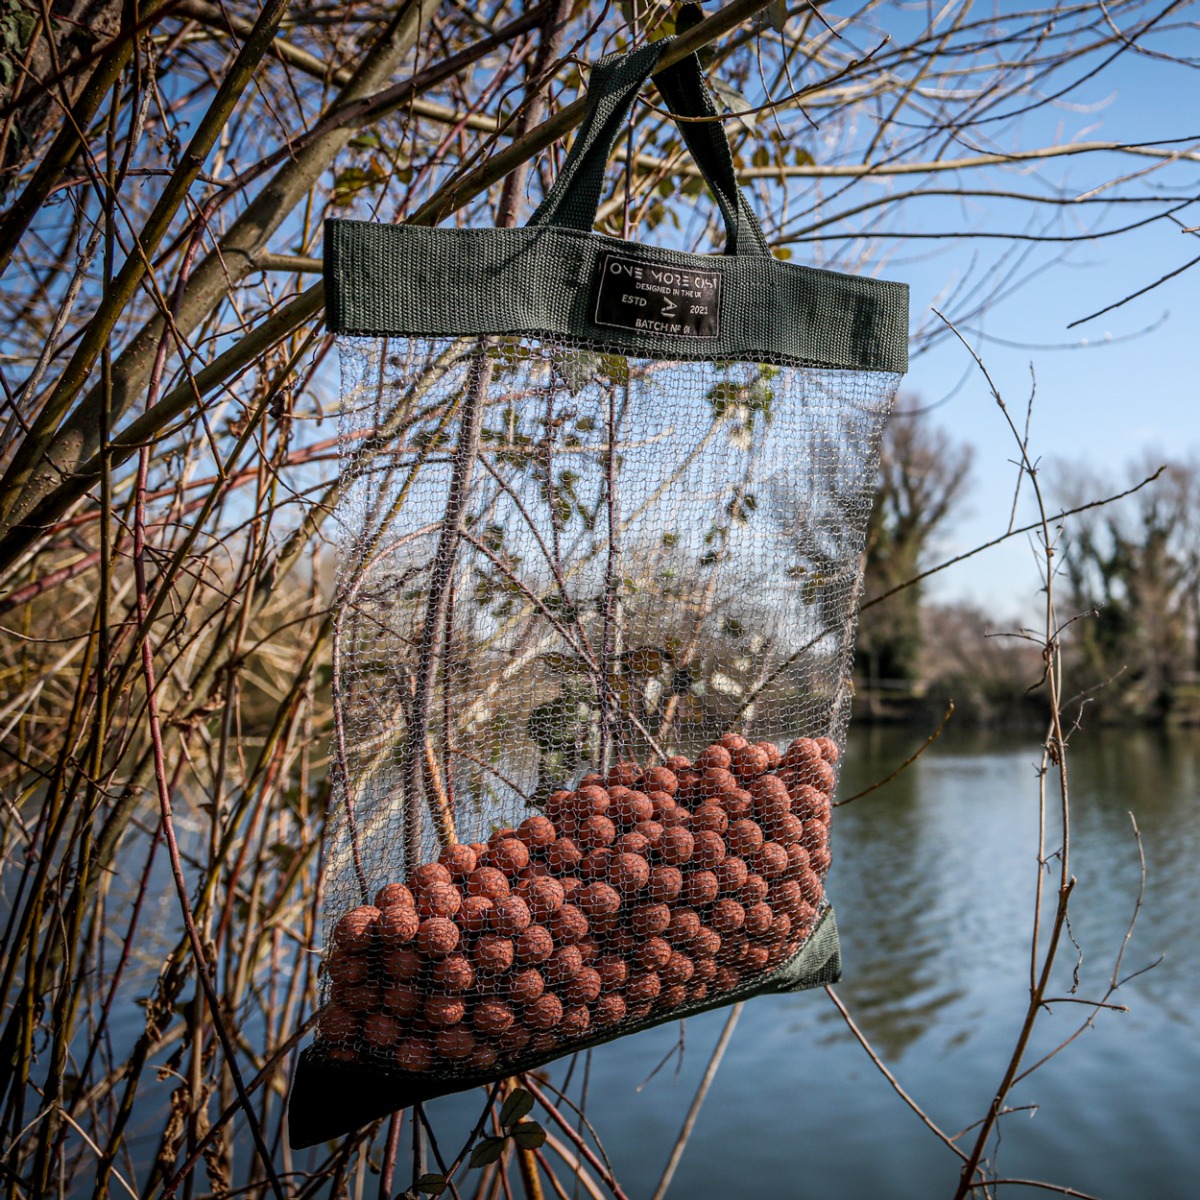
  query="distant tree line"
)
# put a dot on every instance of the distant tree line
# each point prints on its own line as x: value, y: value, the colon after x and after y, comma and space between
x: 1129, y: 579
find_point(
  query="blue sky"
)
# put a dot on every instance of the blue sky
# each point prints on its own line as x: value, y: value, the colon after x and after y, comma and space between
x: 1128, y: 387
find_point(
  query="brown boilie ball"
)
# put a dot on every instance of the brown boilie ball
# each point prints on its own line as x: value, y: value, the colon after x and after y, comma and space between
x: 737, y: 804
x: 492, y: 1017
x: 756, y: 959
x: 460, y: 860
x: 714, y: 756
x: 630, y: 809
x: 674, y: 816
x: 594, y: 864
x: 715, y: 782
x: 563, y: 856
x: 676, y: 847
x: 590, y: 948
x: 535, y: 945
x: 677, y: 763
x: 632, y: 843
x: 338, y: 1024
x: 595, y: 832
x: 781, y: 928
x: 643, y: 987
x: 628, y: 873
x: 455, y: 1044
x: 563, y: 965
x: 649, y: 919
x: 726, y: 979
x: 438, y: 900
x: 701, y: 888
x: 770, y: 860
x: 525, y: 985
x: 489, y: 882
x: 576, y: 1021
x: 508, y: 855
x: 829, y: 749
x: 622, y: 941
x: 731, y: 873
x: 652, y: 831
x: 510, y: 916
x: 398, y: 925
x: 568, y: 924
x: 727, y: 916
x: 402, y: 999
x: 753, y: 890
x: 823, y: 777
x: 748, y: 761
x: 441, y: 1010
x: 414, y: 1054
x: 661, y: 779
x: 665, y: 883
x: 679, y: 969
x: 731, y: 741
x: 427, y: 874
x: 356, y: 930
x: 583, y: 988
x: 683, y: 926
x: 557, y: 805
x: 709, y: 818
x: 544, y: 1013
x: 653, y: 953
x: 437, y: 937
x: 537, y: 832
x: 625, y: 774
x: 403, y: 965
x: 743, y: 837
x: 483, y: 1057
x: 613, y: 971
x: 359, y: 997
x: 639, y: 1012
x: 454, y: 973
x: 810, y: 886
x: 758, y: 919
x: 705, y: 944
x: 493, y: 954
x: 797, y: 860
x: 598, y: 899
x: 802, y: 753
x: 672, y: 996
x: 708, y: 849
x: 475, y: 913
x: 807, y: 801
x: 772, y: 751
x: 820, y: 858
x: 543, y: 895
x: 347, y: 966
x: 394, y: 893
x: 697, y: 990
x: 610, y: 1009
x: 788, y: 829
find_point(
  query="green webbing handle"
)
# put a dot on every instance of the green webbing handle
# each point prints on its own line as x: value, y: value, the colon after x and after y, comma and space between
x: 612, y: 89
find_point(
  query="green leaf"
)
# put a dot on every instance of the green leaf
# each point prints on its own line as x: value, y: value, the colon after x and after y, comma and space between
x: 519, y: 1104
x: 776, y: 15
x: 431, y: 1185
x: 529, y: 1135
x: 488, y: 1151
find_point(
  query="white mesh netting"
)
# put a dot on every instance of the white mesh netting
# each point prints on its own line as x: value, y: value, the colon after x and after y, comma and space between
x: 595, y: 625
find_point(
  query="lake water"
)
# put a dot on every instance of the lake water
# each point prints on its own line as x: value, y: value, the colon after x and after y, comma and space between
x: 933, y: 884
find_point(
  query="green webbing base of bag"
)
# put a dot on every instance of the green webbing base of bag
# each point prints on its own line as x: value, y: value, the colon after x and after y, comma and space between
x: 352, y: 1095
x: 541, y: 281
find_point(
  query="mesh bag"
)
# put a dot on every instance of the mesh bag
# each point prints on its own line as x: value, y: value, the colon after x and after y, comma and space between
x: 600, y: 531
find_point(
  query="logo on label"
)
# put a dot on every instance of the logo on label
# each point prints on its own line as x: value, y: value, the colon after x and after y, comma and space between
x: 653, y: 298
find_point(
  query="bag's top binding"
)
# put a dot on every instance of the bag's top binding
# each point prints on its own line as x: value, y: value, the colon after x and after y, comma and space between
x: 555, y: 278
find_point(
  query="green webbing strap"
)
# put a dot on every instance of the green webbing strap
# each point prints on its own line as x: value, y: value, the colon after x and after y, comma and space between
x: 613, y: 87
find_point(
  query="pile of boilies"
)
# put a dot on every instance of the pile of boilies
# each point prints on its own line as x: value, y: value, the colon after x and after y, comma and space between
x: 639, y: 891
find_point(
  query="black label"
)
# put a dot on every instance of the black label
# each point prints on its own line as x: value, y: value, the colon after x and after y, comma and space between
x: 657, y: 299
